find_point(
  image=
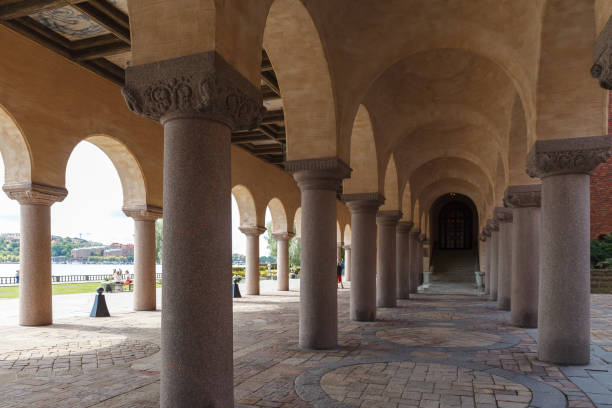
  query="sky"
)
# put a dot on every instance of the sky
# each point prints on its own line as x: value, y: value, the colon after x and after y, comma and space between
x: 92, y: 209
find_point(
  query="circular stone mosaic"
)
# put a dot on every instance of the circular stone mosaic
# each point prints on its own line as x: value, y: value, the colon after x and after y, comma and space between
x: 82, y: 355
x: 438, y: 337
x: 413, y: 384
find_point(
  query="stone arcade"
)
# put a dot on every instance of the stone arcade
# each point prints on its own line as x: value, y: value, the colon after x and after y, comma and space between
x: 419, y: 136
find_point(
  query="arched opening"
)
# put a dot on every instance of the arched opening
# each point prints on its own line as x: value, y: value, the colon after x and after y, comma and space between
x: 454, y: 229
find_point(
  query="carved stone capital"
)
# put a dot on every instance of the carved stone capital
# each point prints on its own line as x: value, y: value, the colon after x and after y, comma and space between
x: 492, y: 225
x: 486, y: 233
x: 252, y: 231
x: 347, y: 247
x: 143, y: 213
x: 363, y: 202
x: 567, y: 156
x: 404, y: 227
x: 34, y: 193
x: 200, y: 85
x: 602, y: 57
x: 528, y: 195
x: 388, y: 217
x: 318, y: 174
x: 502, y: 214
x: 283, y: 236
x: 482, y: 237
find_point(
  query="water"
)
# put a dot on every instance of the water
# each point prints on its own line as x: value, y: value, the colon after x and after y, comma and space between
x: 8, y: 270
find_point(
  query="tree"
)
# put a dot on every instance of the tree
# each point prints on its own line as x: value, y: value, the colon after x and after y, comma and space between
x: 272, y: 248
x: 294, y: 252
x: 159, y: 239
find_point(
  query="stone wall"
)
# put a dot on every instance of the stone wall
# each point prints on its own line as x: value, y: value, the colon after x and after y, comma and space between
x: 601, y: 193
x: 601, y: 281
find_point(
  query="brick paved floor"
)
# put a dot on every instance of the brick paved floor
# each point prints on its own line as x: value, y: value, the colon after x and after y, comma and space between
x: 443, y: 350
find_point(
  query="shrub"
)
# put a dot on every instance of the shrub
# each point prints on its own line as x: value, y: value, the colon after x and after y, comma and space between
x: 601, y: 251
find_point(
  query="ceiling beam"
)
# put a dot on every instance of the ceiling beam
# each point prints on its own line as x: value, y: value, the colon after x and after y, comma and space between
x: 106, y: 15
x: 101, y: 51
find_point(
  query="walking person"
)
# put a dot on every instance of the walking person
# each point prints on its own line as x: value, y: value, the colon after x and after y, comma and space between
x: 17, y: 276
x: 339, y: 274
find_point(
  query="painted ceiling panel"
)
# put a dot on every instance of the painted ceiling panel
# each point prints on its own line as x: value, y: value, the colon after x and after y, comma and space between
x: 70, y: 23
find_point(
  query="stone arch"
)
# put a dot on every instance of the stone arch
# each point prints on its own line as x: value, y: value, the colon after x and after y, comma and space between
x: 15, y: 150
x: 294, y: 47
x: 458, y: 186
x: 415, y: 215
x: 391, y: 187
x: 246, y: 206
x: 347, y: 234
x: 518, y: 147
x: 406, y: 203
x: 133, y: 183
x: 279, y: 216
x: 364, y: 177
x: 569, y: 102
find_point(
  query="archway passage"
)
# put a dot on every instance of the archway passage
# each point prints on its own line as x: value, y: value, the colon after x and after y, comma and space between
x: 454, y: 219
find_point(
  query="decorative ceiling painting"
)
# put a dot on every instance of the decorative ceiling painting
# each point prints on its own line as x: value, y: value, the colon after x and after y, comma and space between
x: 70, y: 23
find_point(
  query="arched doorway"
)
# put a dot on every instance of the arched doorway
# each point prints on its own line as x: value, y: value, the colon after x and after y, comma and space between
x: 455, y: 226
x: 454, y: 221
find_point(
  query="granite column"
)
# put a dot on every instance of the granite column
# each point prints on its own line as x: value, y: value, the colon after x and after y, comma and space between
x: 282, y: 259
x: 198, y: 99
x: 386, y: 295
x: 35, y: 298
x: 402, y: 254
x: 318, y: 180
x: 347, y: 263
x: 525, y: 203
x: 363, y: 208
x: 252, y: 258
x: 493, y: 227
x: 504, y: 257
x: 414, y: 273
x: 564, y: 303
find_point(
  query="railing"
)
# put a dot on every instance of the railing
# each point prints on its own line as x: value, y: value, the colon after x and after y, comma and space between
x: 6, y: 281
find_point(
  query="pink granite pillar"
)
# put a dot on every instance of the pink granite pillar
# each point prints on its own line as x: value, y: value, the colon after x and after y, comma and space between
x: 347, y: 263
x: 414, y: 273
x: 564, y: 317
x: 487, y: 270
x: 363, y: 208
x: 198, y: 99
x: 386, y: 295
x: 252, y: 258
x: 402, y: 268
x: 282, y: 259
x: 525, y: 203
x: 35, y: 297
x: 504, y: 257
x: 494, y: 230
x: 318, y: 180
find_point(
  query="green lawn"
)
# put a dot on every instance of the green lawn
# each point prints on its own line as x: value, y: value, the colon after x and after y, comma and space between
x: 8, y: 292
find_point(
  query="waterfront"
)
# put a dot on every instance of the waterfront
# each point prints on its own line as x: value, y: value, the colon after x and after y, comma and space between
x: 8, y: 270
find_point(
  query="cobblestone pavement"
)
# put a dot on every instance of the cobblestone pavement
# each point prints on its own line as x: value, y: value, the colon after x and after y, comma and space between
x: 444, y: 350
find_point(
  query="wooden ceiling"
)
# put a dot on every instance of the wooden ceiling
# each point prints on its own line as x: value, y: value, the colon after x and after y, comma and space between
x: 96, y: 35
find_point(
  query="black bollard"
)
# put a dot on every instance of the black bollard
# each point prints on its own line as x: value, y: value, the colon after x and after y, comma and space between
x: 99, y: 308
x: 236, y: 289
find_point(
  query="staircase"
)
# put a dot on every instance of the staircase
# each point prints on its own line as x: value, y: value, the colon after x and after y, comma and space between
x: 454, y: 266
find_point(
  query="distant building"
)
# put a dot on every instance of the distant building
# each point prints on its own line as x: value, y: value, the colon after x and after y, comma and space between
x: 81, y: 254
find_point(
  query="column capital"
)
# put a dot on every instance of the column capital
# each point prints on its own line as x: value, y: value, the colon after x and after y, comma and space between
x: 34, y: 193
x: 492, y: 225
x: 347, y: 247
x: 143, y: 213
x: 486, y: 233
x: 202, y: 85
x: 282, y: 236
x: 482, y: 237
x: 528, y: 195
x: 422, y: 238
x: 502, y: 214
x: 404, y: 227
x: 602, y: 61
x: 252, y: 231
x: 389, y: 217
x: 340, y: 244
x: 567, y: 156
x: 415, y: 233
x: 318, y: 174
x: 363, y: 202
